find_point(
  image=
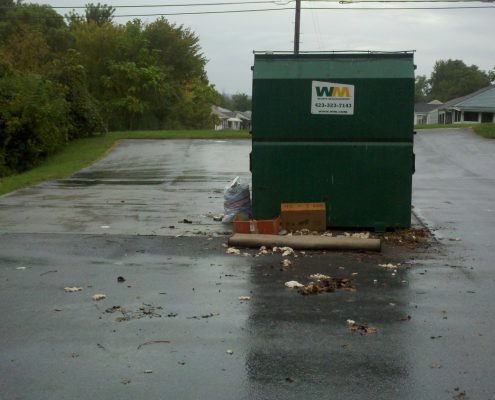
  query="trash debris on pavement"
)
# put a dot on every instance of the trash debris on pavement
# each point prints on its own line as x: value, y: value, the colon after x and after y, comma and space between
x: 263, y: 251
x: 186, y: 221
x: 293, y: 284
x: 152, y: 342
x: 435, y: 366
x: 286, y: 251
x: 230, y: 351
x: 286, y: 263
x: 390, y: 266
x: 363, y: 329
x: 327, y: 285
x: 125, y: 381
x: 120, y: 279
x: 148, y: 371
x: 237, y: 201
x: 233, y: 250
x: 21, y: 268
x: 318, y: 277
x: 72, y: 289
x: 246, y: 254
x: 455, y: 239
x: 204, y: 316
x: 218, y: 218
x: 99, y: 296
x: 244, y: 298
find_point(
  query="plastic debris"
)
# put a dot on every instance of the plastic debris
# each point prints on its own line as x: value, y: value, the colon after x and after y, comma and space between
x: 293, y: 284
x: 233, y: 250
x: 389, y: 266
x: 286, y: 263
x: 99, y: 296
x: 21, y: 268
x: 244, y: 298
x: 318, y: 277
x: 148, y: 371
x: 72, y: 289
x: 120, y: 279
x: 237, y: 201
x: 327, y: 285
x: 363, y: 329
x: 230, y: 351
x: 455, y: 239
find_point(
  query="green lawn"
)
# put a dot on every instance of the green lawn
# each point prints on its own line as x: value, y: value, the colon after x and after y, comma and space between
x: 80, y: 153
x: 485, y: 130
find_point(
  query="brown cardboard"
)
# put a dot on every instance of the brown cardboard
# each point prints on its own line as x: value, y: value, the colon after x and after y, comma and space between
x: 297, y: 216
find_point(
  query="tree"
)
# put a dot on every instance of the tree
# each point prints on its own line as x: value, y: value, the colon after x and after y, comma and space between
x: 421, y: 89
x: 100, y: 14
x: 453, y: 78
x: 241, y: 102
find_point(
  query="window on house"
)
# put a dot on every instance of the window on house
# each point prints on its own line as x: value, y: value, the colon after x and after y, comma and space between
x: 470, y: 116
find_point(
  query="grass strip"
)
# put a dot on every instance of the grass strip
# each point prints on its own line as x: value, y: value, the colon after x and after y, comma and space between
x: 82, y: 152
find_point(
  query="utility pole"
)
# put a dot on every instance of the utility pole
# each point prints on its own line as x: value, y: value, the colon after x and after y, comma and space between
x: 297, y: 26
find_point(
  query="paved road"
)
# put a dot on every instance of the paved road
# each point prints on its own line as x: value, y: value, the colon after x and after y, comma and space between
x: 57, y: 345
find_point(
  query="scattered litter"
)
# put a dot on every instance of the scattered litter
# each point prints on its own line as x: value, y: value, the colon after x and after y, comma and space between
x: 72, y: 289
x: 354, y: 273
x: 282, y: 232
x: 293, y: 284
x: 172, y: 315
x: 148, y: 371
x: 152, y: 342
x: 218, y: 218
x: 408, y: 318
x: 181, y: 362
x: 48, y: 272
x: 74, y: 355
x: 263, y: 251
x: 286, y: 263
x: 391, y: 304
x: 329, y: 234
x: 461, y: 395
x: 21, y: 268
x: 319, y: 277
x: 456, y: 239
x: 120, y: 279
x: 363, y: 329
x: 435, y: 366
x: 99, y: 296
x: 286, y: 251
x: 233, y: 250
x: 246, y: 254
x: 327, y: 285
x: 104, y: 227
x: 204, y: 316
x: 358, y: 235
x: 389, y: 266
x: 230, y: 351
x: 244, y: 298
x: 375, y: 280
x: 125, y: 381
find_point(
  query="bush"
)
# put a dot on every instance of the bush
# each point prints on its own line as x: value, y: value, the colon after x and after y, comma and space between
x: 33, y: 120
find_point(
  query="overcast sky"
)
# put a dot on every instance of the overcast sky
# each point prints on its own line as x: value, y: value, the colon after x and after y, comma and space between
x: 228, y: 40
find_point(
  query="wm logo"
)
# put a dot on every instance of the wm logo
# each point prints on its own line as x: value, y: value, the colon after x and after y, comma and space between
x: 329, y: 91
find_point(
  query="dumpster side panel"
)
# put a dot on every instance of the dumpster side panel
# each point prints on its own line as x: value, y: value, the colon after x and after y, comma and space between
x: 383, y: 110
x: 364, y: 184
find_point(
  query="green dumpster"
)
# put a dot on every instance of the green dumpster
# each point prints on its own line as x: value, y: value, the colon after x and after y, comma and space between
x: 334, y: 128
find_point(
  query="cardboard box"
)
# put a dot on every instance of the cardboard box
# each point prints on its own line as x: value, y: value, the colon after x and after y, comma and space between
x: 266, y: 226
x: 297, y: 216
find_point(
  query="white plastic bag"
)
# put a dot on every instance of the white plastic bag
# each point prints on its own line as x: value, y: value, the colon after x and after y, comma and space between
x: 237, y: 200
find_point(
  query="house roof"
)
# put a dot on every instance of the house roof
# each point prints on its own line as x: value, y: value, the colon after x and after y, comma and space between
x: 425, y: 107
x: 483, y: 98
x: 223, y: 113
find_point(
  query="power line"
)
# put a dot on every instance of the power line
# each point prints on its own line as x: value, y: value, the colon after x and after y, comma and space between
x: 304, y: 8
x: 229, y: 3
x: 277, y: 9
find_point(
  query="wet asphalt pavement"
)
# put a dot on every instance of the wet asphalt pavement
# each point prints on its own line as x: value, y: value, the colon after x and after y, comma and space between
x: 180, y: 308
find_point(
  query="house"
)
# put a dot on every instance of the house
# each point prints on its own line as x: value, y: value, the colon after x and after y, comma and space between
x: 424, y: 113
x: 235, y: 120
x: 477, y: 107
